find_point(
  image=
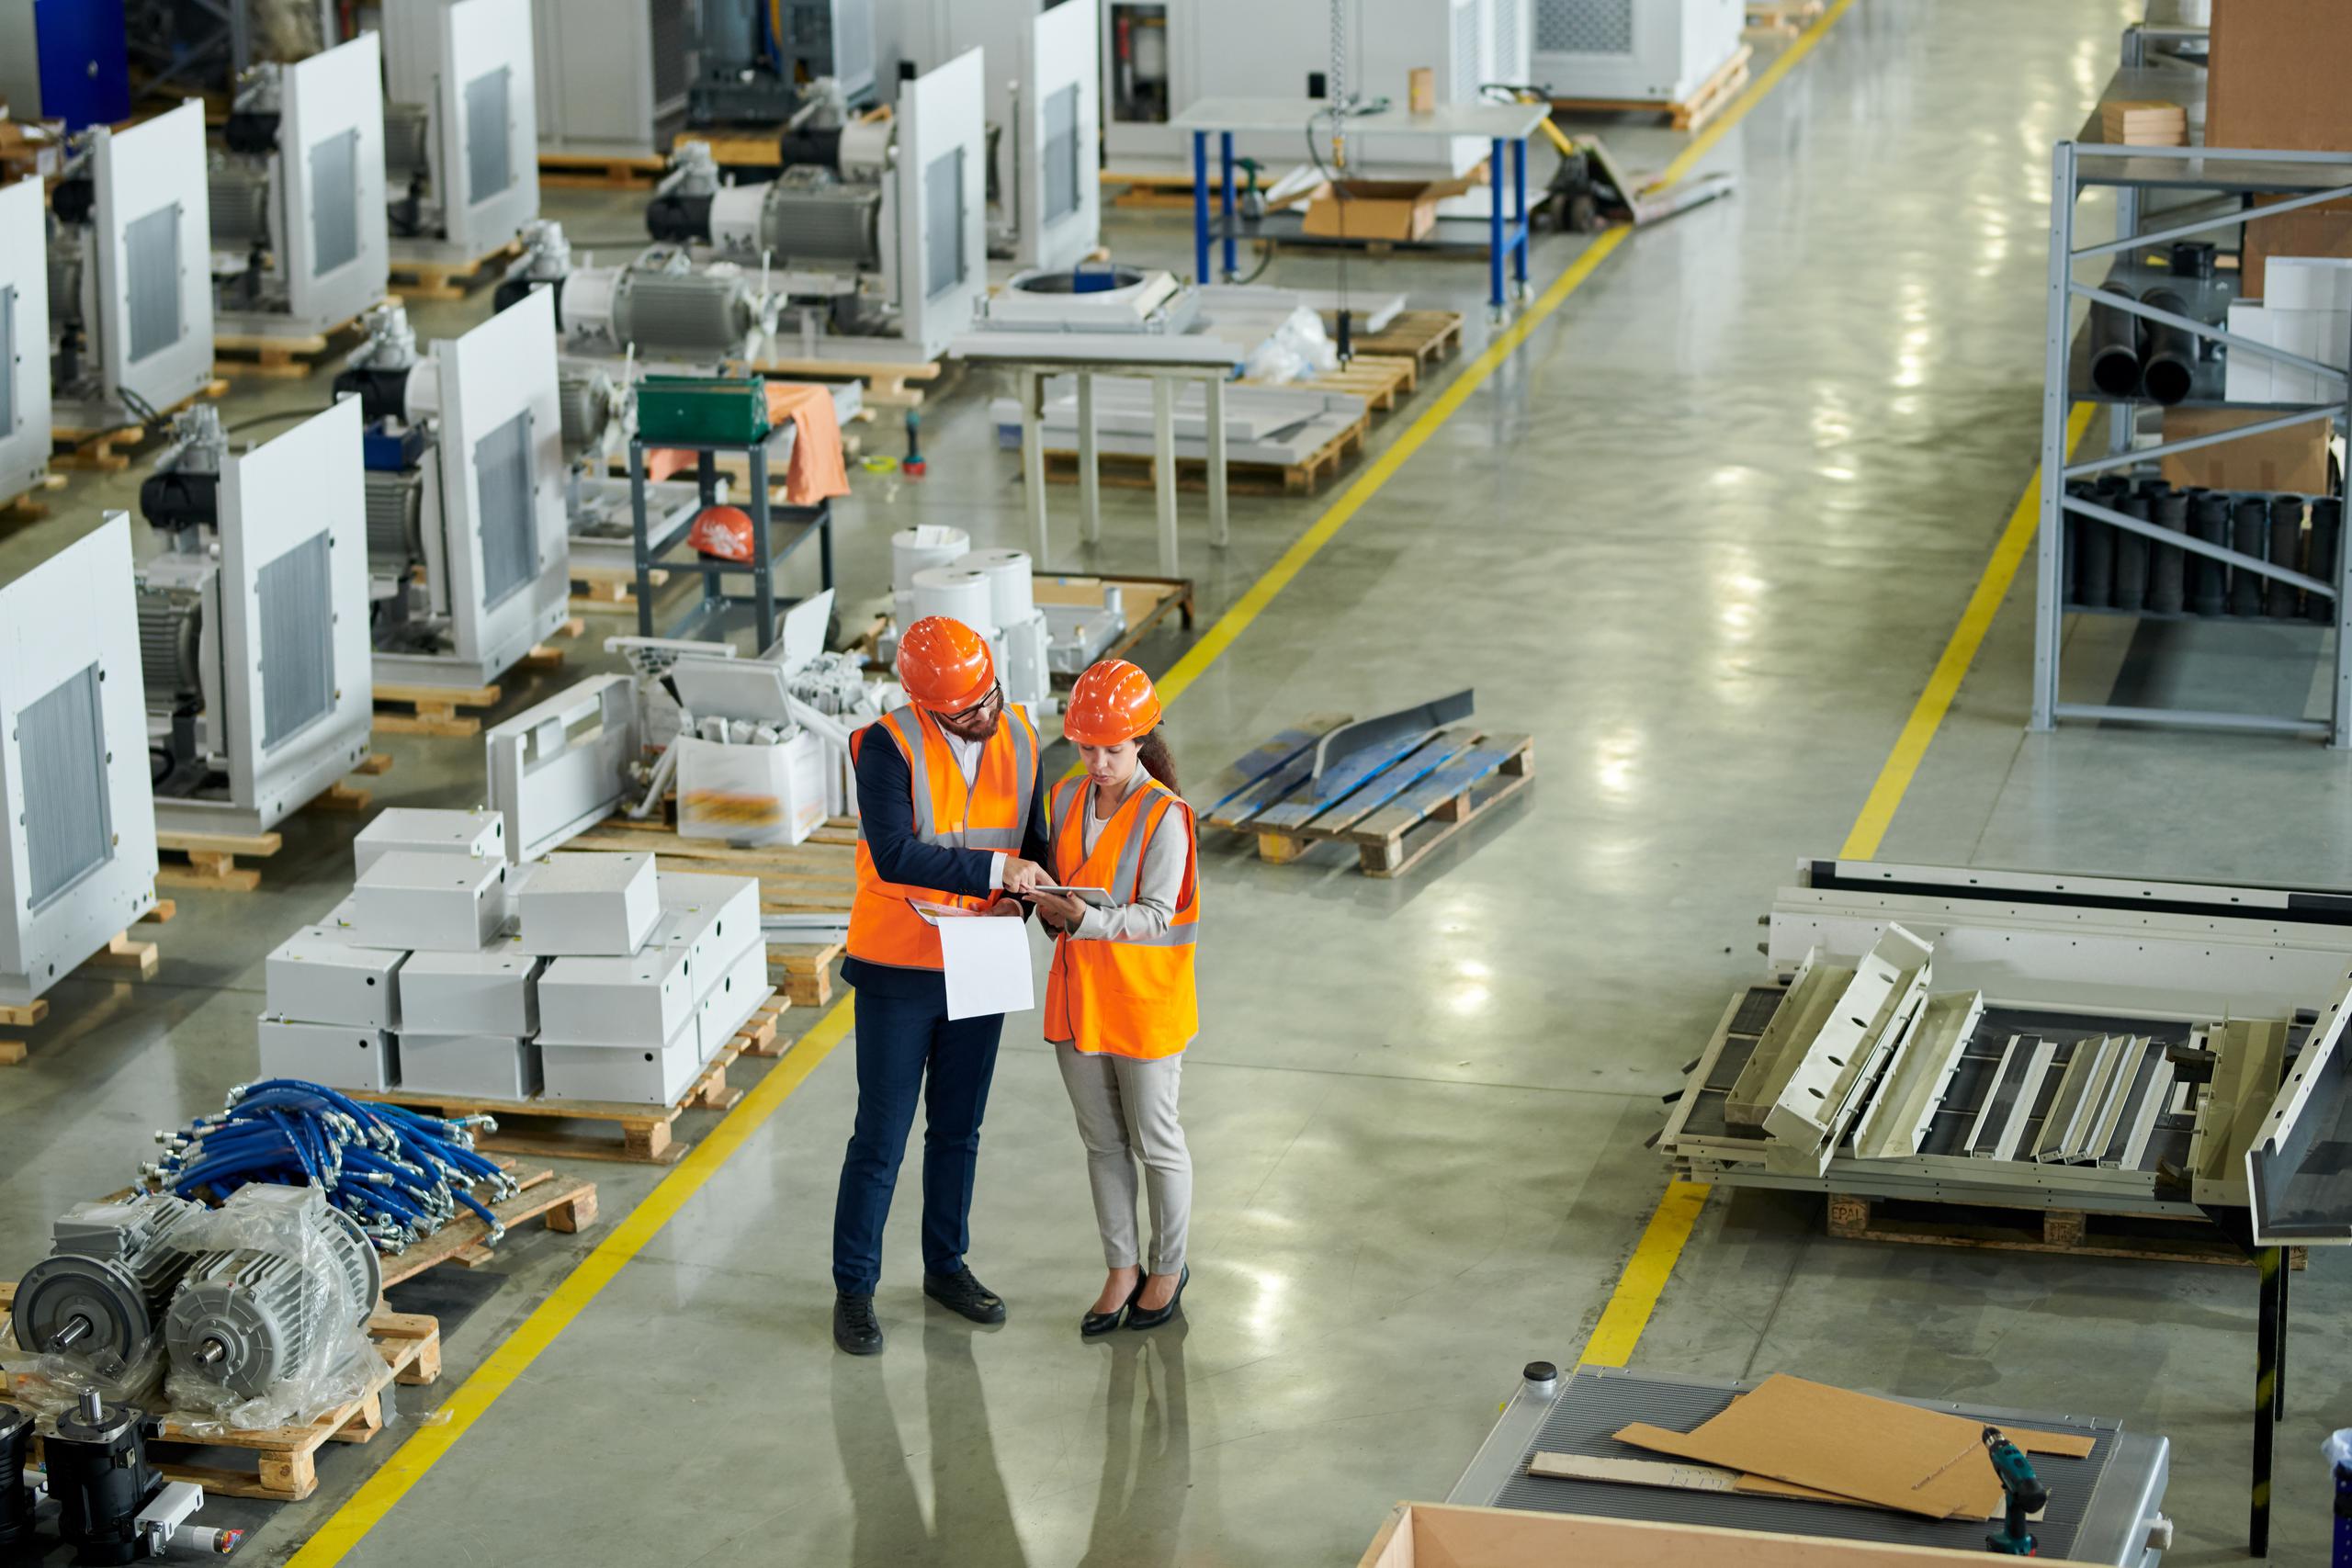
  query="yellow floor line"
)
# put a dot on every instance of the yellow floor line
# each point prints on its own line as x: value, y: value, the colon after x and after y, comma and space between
x: 350, y: 1523
x: 426, y: 1446
x: 1635, y: 1297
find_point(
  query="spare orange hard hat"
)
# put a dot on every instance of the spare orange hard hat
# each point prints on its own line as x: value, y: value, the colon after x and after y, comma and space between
x: 724, y: 532
x: 945, y: 665
x: 1111, y: 701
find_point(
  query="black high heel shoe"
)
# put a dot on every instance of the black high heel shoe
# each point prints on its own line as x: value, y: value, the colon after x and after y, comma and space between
x: 1150, y: 1317
x: 1094, y: 1324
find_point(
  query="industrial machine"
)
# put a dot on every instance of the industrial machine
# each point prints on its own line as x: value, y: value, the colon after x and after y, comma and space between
x: 2035, y: 1040
x: 1160, y: 56
x: 77, y: 818
x: 101, y: 1294
x: 765, y: 61
x: 461, y: 156
x: 297, y: 200
x: 611, y: 74
x: 1045, y: 116
x: 1661, y: 50
x: 464, y: 456
x: 253, y: 621
x: 874, y: 235
x: 129, y: 273
x: 281, y: 1305
x: 113, y: 1507
x: 662, y: 305
x: 23, y: 323
x: 64, y: 59
x: 2105, y: 1507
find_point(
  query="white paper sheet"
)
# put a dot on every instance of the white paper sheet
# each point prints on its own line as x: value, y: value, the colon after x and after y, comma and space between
x: 987, y: 965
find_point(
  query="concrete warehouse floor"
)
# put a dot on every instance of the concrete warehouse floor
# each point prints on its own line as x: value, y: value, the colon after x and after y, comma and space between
x: 1703, y: 536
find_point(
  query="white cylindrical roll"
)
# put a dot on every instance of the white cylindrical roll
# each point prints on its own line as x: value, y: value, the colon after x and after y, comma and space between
x: 1008, y: 575
x: 915, y: 550
x: 953, y: 591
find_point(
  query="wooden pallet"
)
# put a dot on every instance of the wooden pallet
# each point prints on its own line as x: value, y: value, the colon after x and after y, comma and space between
x: 436, y: 709
x: 285, y: 1459
x: 887, y: 383
x: 1424, y: 337
x: 537, y: 1127
x: 603, y: 171
x: 212, y: 860
x: 287, y: 359
x: 1711, y: 96
x: 2076, y: 1233
x: 109, y: 451
x: 1381, y: 380
x: 28, y: 507
x: 597, y: 590
x: 1147, y: 599
x: 566, y: 1203
x: 1140, y: 470
x: 1394, y: 802
x: 437, y: 280
x: 122, y: 951
x: 1768, y: 17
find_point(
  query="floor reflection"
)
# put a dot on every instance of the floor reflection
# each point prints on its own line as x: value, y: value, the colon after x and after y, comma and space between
x: 971, y: 1516
x: 1147, y: 1453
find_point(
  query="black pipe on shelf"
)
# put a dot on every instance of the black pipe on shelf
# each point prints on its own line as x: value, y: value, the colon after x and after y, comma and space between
x: 2168, y: 360
x: 2132, y: 555
x: 2167, y: 564
x: 2208, y: 521
x: 2095, y: 552
x: 2116, y: 340
x: 2327, y: 540
x: 2249, y: 525
x: 2284, y: 600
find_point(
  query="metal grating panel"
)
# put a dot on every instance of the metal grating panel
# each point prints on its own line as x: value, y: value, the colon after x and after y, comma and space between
x: 151, y: 248
x: 1468, y: 52
x: 670, y: 43
x: 1061, y: 154
x: 942, y: 210
x: 510, y: 535
x: 1584, y: 27
x: 489, y: 167
x: 334, y: 202
x: 296, y: 640
x: 1589, y: 1408
x: 7, y: 361
x: 60, y: 746
x: 853, y: 30
x: 1511, y: 50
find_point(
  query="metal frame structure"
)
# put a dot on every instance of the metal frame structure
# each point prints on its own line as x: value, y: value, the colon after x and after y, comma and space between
x: 2304, y: 180
x: 24, y: 340
x: 653, y: 549
x: 77, y: 821
x: 556, y: 769
x: 942, y: 129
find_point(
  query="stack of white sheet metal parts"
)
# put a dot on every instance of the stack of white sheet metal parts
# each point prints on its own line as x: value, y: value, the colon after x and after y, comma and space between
x: 2061, y: 1042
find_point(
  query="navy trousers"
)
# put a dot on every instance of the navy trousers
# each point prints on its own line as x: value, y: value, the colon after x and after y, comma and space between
x: 908, y: 1049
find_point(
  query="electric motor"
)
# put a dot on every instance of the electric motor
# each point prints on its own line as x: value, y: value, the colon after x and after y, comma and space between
x: 171, y: 633
x: 248, y: 1317
x: 807, y: 218
x: 395, y: 520
x: 663, y: 312
x: 16, y: 1499
x: 239, y: 192
x: 99, y: 1475
x: 585, y: 393
x: 108, y: 1279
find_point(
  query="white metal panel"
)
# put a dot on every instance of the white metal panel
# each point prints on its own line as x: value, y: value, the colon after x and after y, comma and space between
x: 330, y: 96
x: 483, y: 36
x: 24, y: 288
x: 942, y: 124
x: 142, y: 172
x: 502, y: 368
x: 274, y: 500
x: 1064, y: 46
x: 71, y: 614
x: 556, y: 769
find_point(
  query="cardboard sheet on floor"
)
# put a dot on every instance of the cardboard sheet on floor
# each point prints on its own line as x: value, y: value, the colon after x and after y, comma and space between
x: 1897, y: 1456
x: 1686, y: 1477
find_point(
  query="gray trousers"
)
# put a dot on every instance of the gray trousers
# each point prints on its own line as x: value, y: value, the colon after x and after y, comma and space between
x: 1127, y: 1109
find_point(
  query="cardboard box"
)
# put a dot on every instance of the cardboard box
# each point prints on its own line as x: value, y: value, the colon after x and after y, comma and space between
x: 2143, y: 123
x: 2276, y: 80
x: 751, y: 795
x: 1424, y: 1534
x: 1421, y: 90
x: 2293, y: 459
x: 1379, y: 209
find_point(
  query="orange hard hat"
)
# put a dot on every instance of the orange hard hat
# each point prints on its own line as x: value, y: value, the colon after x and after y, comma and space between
x: 945, y: 665
x: 724, y: 532
x: 1111, y: 701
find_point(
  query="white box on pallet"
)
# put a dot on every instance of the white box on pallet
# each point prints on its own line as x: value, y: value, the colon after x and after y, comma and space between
x: 493, y: 991
x: 618, y: 1002
x: 429, y: 903
x: 726, y: 910
x: 728, y: 1004
x: 647, y: 1075
x: 319, y: 977
x: 589, y: 904
x: 329, y: 1054
x: 480, y: 835
x: 483, y: 1066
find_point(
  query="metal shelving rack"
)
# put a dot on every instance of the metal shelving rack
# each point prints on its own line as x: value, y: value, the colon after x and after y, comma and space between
x: 2299, y: 180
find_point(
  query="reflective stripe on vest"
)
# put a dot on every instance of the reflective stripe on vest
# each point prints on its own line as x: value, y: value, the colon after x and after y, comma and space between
x: 883, y: 929
x: 1128, y: 997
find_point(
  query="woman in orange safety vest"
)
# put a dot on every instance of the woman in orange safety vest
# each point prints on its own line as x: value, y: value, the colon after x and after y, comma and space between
x: 1120, y: 1003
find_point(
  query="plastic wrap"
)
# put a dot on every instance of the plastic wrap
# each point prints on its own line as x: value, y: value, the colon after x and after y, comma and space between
x: 48, y: 1386
x: 276, y: 1282
x: 1293, y: 351
x: 2338, y: 1447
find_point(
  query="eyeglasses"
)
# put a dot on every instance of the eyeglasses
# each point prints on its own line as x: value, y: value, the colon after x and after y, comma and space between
x: 994, y: 700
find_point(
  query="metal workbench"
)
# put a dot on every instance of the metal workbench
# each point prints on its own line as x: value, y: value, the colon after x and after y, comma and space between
x: 776, y: 533
x: 2105, y: 1508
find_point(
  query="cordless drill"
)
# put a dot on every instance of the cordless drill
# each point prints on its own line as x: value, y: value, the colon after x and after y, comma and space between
x: 2023, y: 1491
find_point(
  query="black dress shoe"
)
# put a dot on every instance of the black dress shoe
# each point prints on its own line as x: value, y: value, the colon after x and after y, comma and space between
x: 1146, y: 1317
x: 961, y: 1293
x: 1095, y: 1324
x: 854, y: 1329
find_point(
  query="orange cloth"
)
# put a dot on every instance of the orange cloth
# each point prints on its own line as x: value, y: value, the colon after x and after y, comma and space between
x: 817, y: 471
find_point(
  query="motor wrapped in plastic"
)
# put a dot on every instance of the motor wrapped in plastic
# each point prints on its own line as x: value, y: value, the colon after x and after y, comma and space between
x: 100, y: 1296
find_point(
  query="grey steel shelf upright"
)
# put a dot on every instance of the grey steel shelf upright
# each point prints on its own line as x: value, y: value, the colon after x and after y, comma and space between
x: 2302, y: 180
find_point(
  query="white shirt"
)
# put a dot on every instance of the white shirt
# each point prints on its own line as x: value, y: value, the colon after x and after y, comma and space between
x: 967, y: 762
